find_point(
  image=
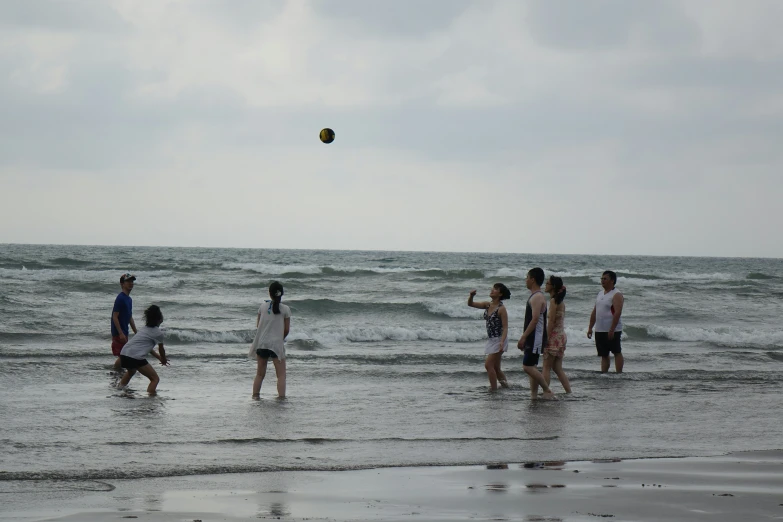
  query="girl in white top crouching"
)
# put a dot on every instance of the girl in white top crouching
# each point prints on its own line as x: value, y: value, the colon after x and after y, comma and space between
x: 273, y: 324
x: 134, y: 353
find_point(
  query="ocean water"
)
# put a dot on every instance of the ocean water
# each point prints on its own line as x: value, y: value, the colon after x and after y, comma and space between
x: 385, y: 362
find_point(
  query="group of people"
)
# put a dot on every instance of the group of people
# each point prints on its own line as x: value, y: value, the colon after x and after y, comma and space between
x: 273, y: 323
x: 272, y: 326
x: 544, y: 330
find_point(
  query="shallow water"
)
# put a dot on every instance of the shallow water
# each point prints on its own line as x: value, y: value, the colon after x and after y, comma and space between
x: 385, y: 362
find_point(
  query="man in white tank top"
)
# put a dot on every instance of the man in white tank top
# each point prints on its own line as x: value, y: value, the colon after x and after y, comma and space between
x: 606, y: 318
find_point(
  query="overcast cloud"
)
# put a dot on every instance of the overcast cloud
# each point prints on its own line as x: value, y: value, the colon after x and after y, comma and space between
x: 601, y: 126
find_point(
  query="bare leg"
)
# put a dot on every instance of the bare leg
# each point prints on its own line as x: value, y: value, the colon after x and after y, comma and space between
x: 604, y: 364
x: 558, y: 367
x: 547, y: 368
x: 618, y: 363
x: 536, y: 380
x: 489, y: 365
x: 126, y: 378
x: 117, y: 365
x: 149, y: 372
x: 280, y: 371
x: 260, y: 374
x: 501, y: 376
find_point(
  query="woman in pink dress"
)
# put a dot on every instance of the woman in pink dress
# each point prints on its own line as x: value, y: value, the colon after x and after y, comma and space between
x: 556, y: 336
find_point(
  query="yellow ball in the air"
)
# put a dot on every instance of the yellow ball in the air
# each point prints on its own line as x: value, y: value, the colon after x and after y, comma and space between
x: 327, y: 135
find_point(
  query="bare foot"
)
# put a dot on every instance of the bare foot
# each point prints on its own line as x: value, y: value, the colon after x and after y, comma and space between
x: 256, y: 397
x: 549, y: 396
x: 503, y: 384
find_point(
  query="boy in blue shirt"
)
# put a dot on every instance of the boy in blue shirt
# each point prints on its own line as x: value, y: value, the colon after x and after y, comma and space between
x: 121, y: 317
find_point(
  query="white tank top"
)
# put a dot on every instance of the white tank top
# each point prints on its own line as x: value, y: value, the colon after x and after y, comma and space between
x: 604, y: 312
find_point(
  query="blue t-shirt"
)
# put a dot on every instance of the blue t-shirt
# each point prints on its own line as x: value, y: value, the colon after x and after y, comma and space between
x: 124, y: 305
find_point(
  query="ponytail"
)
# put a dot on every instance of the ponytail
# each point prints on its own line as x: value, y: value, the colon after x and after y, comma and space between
x: 560, y: 295
x: 559, y: 288
x: 276, y: 293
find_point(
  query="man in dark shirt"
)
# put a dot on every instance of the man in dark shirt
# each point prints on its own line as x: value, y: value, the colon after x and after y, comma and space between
x: 121, y: 317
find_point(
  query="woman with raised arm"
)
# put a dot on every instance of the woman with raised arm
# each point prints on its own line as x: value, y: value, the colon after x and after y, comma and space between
x: 496, y: 316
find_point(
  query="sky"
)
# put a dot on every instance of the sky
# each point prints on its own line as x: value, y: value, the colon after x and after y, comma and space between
x: 549, y: 126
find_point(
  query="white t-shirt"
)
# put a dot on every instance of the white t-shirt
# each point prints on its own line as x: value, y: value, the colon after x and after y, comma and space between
x: 270, y: 331
x: 140, y: 345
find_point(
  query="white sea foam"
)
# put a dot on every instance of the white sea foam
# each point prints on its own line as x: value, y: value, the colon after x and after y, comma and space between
x: 586, y: 272
x: 265, y: 268
x: 392, y: 333
x: 635, y: 281
x: 334, y: 337
x: 521, y: 272
x: 731, y: 337
x: 505, y: 273
x: 578, y: 336
x: 380, y: 270
x: 691, y: 276
x: 210, y: 336
x: 298, y: 335
x: 645, y: 277
x: 456, y: 309
x: 661, y: 279
x: 152, y: 278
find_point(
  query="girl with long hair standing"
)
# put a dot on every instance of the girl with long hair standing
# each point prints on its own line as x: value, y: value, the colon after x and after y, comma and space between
x: 556, y: 336
x: 273, y: 324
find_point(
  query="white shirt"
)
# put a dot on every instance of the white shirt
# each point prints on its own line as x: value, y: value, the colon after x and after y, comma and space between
x: 271, y: 328
x: 604, y: 312
x: 140, y: 345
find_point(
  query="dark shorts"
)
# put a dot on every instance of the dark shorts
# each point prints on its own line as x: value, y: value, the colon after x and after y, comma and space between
x: 266, y: 354
x: 117, y: 344
x: 603, y: 345
x: 129, y: 363
x: 530, y: 358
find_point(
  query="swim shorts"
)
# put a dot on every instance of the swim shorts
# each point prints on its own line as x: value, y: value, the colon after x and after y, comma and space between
x: 603, y: 345
x: 530, y: 358
x: 266, y: 354
x: 117, y: 344
x: 129, y: 363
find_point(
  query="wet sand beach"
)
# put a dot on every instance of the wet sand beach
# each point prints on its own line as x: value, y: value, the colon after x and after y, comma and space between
x: 743, y: 486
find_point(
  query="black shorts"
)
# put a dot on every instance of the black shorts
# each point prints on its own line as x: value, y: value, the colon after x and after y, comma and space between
x: 129, y: 363
x: 603, y: 345
x: 530, y: 358
x: 266, y: 354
